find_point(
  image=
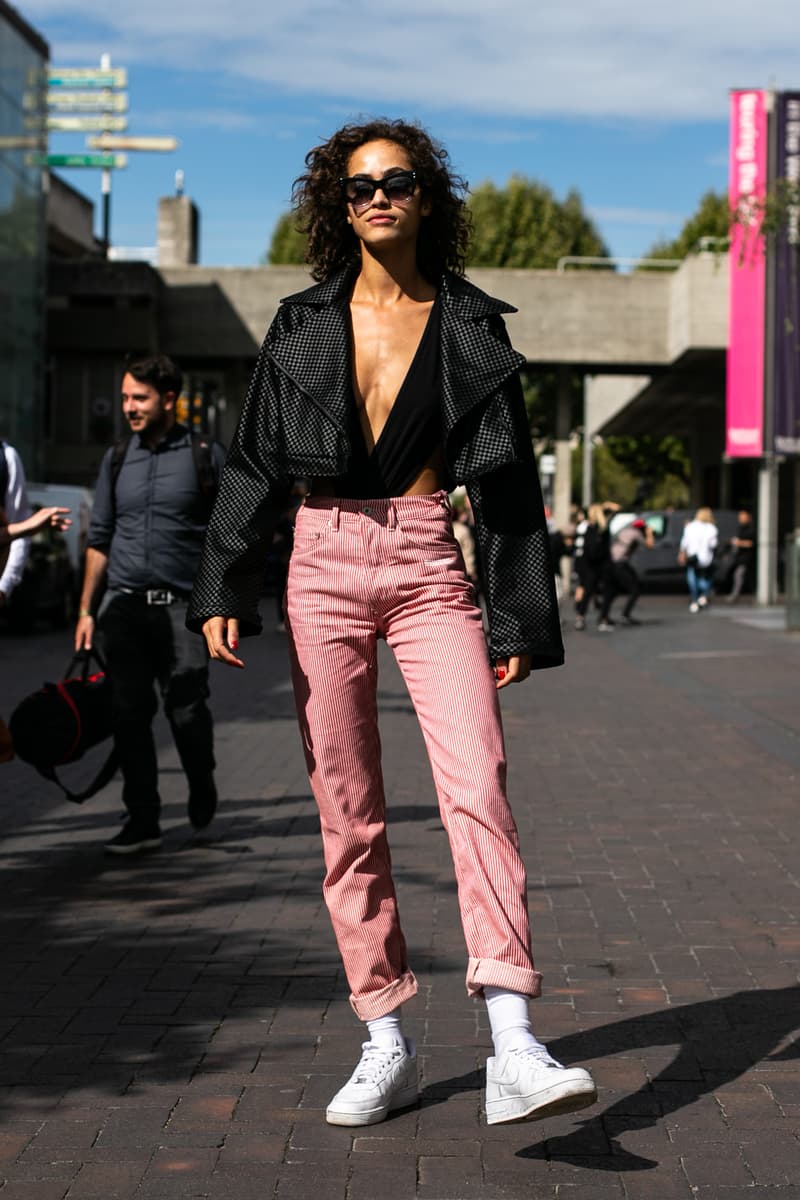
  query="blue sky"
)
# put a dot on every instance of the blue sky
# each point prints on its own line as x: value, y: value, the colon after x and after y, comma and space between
x: 627, y: 104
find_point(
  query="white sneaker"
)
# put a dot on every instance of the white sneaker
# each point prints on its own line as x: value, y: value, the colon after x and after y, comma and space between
x: 694, y: 607
x: 529, y: 1084
x: 702, y: 601
x: 384, y: 1079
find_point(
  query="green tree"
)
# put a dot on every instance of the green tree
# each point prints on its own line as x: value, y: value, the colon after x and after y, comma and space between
x: 711, y: 220
x: 525, y: 225
x: 287, y: 245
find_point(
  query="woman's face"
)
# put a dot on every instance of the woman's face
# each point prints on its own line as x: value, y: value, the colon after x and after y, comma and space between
x: 384, y: 221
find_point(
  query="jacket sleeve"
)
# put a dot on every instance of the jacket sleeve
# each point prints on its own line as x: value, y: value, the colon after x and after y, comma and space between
x: 252, y: 493
x: 514, y: 550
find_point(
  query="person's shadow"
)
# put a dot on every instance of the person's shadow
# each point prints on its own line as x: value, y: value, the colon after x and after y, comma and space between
x: 718, y: 1041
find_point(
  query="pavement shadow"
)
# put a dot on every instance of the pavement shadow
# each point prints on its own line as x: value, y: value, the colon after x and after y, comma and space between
x: 121, y: 975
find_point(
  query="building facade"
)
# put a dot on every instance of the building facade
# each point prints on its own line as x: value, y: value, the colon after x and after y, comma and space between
x: 23, y: 240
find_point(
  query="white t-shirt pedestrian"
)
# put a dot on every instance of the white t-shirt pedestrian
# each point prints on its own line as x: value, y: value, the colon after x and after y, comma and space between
x: 699, y: 540
x: 16, y: 507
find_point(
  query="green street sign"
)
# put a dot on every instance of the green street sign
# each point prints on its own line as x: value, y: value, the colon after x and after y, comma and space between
x: 79, y: 160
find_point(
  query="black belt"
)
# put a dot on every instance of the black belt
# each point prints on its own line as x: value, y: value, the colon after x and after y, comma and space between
x: 159, y: 596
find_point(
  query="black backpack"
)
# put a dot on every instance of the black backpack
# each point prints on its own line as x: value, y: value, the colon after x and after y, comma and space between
x: 60, y: 722
x: 3, y: 474
x: 595, y: 546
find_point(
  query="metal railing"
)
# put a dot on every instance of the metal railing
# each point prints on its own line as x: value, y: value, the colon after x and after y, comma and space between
x: 579, y: 260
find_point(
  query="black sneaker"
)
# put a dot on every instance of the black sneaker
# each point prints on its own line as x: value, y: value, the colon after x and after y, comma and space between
x: 134, y: 839
x: 202, y: 803
x: 630, y: 621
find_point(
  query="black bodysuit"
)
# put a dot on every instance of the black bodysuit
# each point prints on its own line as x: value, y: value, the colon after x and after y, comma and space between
x: 412, y: 431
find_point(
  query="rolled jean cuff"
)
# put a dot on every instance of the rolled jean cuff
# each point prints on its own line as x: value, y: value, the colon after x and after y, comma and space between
x: 488, y: 972
x: 386, y: 999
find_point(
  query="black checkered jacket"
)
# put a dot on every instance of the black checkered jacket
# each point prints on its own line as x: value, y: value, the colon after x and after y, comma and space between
x: 294, y: 423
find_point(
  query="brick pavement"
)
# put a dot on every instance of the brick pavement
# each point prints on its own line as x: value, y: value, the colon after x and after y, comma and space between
x: 173, y: 1027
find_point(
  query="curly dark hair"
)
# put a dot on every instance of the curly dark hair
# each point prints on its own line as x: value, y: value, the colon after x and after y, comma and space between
x: 322, y: 215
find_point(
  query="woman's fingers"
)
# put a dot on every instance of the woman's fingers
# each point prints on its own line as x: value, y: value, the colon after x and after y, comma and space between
x: 222, y: 637
x: 512, y: 670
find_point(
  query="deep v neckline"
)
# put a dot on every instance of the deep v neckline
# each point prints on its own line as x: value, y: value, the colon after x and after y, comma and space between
x: 421, y: 345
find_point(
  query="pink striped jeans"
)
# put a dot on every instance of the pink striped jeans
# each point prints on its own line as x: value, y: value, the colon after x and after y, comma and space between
x: 361, y: 570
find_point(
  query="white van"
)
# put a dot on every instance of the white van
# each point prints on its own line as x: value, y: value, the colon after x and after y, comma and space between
x: 79, y: 501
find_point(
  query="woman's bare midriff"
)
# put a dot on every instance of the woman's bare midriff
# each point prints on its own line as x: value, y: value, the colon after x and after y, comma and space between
x: 430, y: 479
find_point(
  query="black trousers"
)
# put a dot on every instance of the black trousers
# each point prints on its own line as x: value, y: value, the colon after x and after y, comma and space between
x: 148, y: 646
x: 621, y: 579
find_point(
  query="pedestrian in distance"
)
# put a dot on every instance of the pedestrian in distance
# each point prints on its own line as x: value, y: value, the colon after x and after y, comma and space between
x: 621, y: 577
x: 696, y: 552
x: 14, y: 508
x: 153, y: 498
x: 744, y: 545
x: 592, y: 559
x: 389, y: 383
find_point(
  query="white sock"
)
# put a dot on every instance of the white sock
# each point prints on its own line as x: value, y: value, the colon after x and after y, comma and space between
x: 386, y: 1031
x: 509, y: 1020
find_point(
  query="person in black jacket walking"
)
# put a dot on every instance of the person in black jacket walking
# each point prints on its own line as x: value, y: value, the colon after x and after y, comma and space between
x: 150, y: 512
x: 387, y: 384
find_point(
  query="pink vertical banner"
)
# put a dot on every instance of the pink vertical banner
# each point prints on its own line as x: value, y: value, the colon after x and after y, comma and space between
x: 747, y: 185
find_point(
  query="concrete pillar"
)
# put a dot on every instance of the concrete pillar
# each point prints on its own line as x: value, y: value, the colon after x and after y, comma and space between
x: 725, y: 499
x: 587, y: 474
x: 178, y: 232
x: 562, y: 487
x: 766, y: 534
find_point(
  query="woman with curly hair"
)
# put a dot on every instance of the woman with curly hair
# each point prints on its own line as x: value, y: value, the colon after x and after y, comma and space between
x: 387, y: 384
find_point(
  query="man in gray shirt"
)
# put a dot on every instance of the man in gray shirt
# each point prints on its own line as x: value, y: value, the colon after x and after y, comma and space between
x: 152, y: 503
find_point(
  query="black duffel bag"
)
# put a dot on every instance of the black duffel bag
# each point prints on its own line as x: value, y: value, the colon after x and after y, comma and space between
x: 60, y: 722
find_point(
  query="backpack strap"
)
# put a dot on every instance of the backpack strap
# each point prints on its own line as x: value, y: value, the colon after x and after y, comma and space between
x: 103, y: 776
x: 207, y: 479
x: 118, y: 452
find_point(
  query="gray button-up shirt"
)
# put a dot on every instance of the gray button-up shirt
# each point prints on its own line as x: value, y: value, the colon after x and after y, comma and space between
x: 153, y: 523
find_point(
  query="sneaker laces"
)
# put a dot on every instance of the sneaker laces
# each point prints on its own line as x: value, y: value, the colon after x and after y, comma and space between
x: 374, y: 1062
x: 540, y: 1055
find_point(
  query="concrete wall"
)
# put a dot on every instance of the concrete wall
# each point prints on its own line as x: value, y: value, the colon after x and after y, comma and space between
x: 583, y: 318
x: 70, y: 220
x: 698, y: 311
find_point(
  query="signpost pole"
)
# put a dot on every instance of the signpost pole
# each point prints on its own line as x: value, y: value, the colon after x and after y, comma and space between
x: 105, y: 64
x: 767, y: 556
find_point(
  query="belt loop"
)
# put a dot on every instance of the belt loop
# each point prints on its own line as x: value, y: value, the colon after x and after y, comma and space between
x: 446, y: 502
x: 335, y: 517
x: 391, y: 516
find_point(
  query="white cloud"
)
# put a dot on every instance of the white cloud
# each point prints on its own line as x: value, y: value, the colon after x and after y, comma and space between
x: 615, y: 60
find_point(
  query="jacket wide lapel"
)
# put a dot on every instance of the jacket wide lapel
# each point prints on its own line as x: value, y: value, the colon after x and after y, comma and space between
x: 474, y: 361
x: 315, y: 355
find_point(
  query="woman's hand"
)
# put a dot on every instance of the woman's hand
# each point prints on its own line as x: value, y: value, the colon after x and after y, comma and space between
x: 222, y: 637
x: 512, y: 670
x: 53, y: 516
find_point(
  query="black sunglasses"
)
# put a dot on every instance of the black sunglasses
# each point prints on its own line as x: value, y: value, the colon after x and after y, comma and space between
x: 398, y: 187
